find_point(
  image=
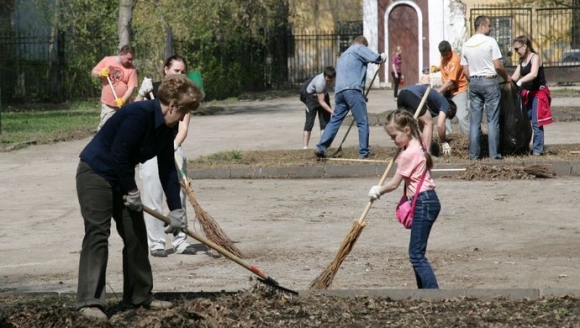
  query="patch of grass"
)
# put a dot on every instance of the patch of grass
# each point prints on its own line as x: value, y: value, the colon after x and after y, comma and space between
x: 236, y: 154
x: 229, y: 156
x: 47, y: 124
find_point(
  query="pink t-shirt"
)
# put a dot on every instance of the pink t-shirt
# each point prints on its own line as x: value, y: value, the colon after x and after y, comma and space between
x: 397, y: 60
x: 411, y: 164
x: 121, y: 77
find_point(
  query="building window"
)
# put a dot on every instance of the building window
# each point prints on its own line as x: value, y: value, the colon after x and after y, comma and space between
x: 501, y: 31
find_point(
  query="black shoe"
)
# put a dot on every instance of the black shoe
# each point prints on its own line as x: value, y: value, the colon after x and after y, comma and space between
x: 189, y: 250
x: 159, y: 253
x: 319, y: 154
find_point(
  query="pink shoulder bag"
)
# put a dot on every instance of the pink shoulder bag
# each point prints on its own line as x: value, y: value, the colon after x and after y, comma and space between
x: 405, y: 208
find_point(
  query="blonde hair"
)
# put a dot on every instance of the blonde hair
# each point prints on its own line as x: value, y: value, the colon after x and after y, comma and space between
x: 402, y: 118
x: 182, y: 91
x: 398, y: 50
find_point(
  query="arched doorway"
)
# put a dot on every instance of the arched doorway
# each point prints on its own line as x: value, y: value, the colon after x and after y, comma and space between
x: 402, y: 28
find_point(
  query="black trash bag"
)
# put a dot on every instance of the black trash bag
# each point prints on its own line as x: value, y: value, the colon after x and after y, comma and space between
x: 303, y: 93
x: 514, y: 124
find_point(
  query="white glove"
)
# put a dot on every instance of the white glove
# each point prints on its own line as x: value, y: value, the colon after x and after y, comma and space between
x: 383, y: 57
x: 178, y: 222
x: 146, y: 87
x: 519, y: 83
x: 446, y: 149
x: 375, y: 192
x: 133, y: 201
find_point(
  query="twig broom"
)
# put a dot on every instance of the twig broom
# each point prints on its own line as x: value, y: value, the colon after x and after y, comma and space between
x: 209, y: 226
x: 324, y: 279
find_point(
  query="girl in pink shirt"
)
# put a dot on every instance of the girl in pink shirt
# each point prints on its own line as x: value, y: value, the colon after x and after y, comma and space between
x: 396, y: 68
x: 412, y: 163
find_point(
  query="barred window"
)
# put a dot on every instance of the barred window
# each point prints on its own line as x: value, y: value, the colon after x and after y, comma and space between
x: 501, y: 31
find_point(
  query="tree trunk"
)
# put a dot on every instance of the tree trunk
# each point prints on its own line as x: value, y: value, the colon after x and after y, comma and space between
x: 124, y: 22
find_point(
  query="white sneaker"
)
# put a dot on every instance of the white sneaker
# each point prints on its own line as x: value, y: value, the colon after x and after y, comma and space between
x: 93, y: 312
x: 185, y: 249
x: 305, y: 147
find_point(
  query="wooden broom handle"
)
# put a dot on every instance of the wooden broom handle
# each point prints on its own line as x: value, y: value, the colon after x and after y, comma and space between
x: 392, y: 161
x: 210, y: 244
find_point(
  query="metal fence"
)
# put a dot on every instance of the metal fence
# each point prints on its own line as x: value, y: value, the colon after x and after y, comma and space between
x: 309, y: 54
x: 31, y: 66
x: 554, y: 31
x: 36, y: 66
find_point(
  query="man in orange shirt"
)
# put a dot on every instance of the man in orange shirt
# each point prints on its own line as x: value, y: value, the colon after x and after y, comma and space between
x: 123, y: 77
x: 454, y: 85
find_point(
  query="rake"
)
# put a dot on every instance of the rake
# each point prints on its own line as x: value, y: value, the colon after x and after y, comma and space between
x: 262, y: 276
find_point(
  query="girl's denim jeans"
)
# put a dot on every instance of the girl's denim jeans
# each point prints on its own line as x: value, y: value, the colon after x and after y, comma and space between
x: 426, y: 211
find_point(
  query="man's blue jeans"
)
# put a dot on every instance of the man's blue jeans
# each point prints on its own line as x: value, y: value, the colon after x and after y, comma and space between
x: 348, y: 100
x: 484, y: 92
x: 538, y: 143
x: 426, y: 211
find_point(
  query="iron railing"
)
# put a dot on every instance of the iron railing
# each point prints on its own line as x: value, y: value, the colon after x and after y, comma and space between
x: 31, y: 66
x: 554, y: 31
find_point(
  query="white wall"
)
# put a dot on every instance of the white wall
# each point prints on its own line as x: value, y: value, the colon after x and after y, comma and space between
x: 447, y: 21
x: 371, y: 32
x: 455, y: 23
x: 437, y: 19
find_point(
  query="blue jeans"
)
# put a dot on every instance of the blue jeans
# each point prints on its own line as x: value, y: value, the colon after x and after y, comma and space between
x: 426, y: 211
x: 538, y: 143
x: 484, y: 92
x: 348, y: 100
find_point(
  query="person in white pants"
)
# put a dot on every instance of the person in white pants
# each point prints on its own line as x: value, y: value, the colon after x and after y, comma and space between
x: 149, y: 174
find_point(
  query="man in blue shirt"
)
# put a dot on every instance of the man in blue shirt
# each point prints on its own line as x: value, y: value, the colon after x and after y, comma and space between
x: 436, y: 107
x: 351, y: 73
x: 106, y: 188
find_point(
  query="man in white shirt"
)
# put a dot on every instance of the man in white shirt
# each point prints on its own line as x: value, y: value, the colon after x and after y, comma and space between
x: 481, y: 62
x: 317, y: 101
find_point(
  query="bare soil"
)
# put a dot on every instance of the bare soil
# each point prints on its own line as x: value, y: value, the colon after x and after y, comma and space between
x: 262, y: 308
x: 490, y: 234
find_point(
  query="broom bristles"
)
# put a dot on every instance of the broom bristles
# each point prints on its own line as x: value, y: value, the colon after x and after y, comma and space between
x: 210, y: 227
x: 325, y: 278
x: 541, y: 170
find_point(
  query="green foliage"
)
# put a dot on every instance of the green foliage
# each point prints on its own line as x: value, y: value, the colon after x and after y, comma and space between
x: 225, y: 40
x: 236, y: 154
x: 90, y: 33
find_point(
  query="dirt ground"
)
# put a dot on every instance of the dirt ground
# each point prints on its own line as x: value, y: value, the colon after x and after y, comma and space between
x: 490, y: 234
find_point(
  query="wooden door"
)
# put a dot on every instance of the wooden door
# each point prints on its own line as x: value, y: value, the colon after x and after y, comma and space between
x: 403, y: 30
